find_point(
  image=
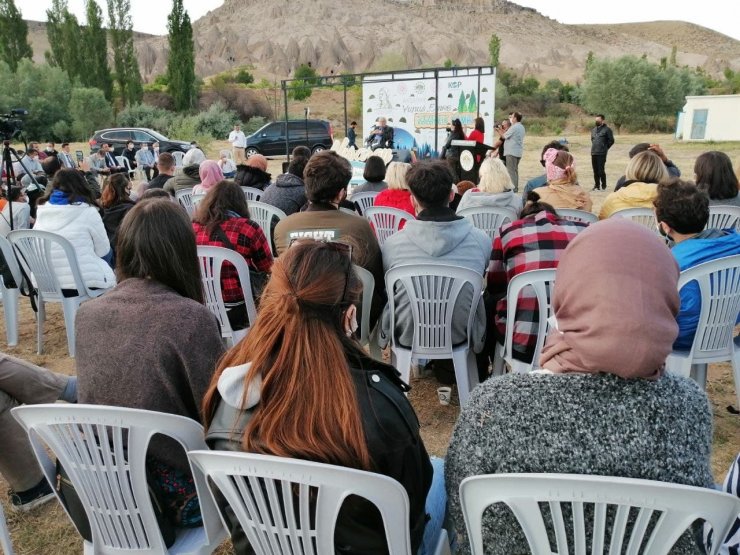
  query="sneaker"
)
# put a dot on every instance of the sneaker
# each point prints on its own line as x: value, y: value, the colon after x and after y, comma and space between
x: 24, y: 501
x: 596, y: 188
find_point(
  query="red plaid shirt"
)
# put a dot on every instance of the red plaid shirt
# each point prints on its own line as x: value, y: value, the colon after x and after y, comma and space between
x: 250, y: 242
x: 532, y: 243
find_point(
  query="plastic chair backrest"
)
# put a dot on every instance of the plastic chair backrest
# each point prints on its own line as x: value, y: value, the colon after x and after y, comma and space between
x: 252, y: 193
x: 488, y: 218
x: 719, y: 283
x: 34, y: 249
x: 433, y: 290
x: 10, y: 259
x: 211, y: 260
x: 368, y: 288
x: 5, y: 544
x: 178, y: 156
x: 642, y: 216
x: 195, y: 200
x: 386, y: 221
x: 363, y: 200
x: 124, y: 162
x: 185, y: 198
x: 671, y: 507
x: 575, y: 215
x: 289, y: 506
x: 103, y: 450
x: 263, y: 214
x: 541, y: 281
x: 724, y: 217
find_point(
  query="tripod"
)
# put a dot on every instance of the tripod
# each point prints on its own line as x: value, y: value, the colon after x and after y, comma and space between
x: 10, y: 180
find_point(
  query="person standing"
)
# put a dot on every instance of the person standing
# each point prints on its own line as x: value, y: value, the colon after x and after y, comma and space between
x: 602, y: 140
x: 514, y: 137
x: 238, y: 141
x: 352, y: 135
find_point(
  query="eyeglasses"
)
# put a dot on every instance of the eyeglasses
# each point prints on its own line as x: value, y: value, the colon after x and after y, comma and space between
x: 342, y: 248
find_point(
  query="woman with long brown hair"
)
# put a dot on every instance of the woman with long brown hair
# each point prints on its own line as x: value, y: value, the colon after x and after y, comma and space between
x: 116, y: 202
x: 300, y: 386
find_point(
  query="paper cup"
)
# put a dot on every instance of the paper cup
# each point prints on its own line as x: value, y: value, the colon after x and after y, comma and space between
x: 444, y: 394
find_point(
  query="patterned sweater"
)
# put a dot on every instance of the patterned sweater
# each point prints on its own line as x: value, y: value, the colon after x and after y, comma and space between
x: 577, y: 424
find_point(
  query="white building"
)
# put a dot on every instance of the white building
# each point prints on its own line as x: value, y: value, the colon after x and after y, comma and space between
x: 710, y: 118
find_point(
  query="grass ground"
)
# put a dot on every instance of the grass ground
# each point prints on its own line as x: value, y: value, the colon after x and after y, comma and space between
x: 47, y: 530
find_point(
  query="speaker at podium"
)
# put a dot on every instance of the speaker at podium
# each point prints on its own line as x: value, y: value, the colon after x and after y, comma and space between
x: 472, y: 154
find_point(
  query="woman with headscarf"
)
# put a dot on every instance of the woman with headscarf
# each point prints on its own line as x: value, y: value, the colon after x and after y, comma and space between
x: 563, y: 190
x: 210, y: 174
x: 601, y: 404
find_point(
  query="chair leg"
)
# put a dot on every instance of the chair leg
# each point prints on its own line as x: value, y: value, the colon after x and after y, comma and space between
x: 5, y: 544
x: 736, y: 369
x: 40, y: 317
x: 466, y: 373
x: 375, y: 351
x: 69, y: 306
x: 10, y: 307
x: 402, y: 362
x: 498, y: 360
x: 698, y: 373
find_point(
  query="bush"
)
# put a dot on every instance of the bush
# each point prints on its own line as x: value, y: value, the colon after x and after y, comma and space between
x: 244, y: 77
x: 217, y: 121
x: 89, y: 110
x: 143, y: 115
x: 254, y: 124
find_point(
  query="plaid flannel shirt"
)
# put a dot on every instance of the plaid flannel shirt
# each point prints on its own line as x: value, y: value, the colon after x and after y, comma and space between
x: 532, y: 243
x: 250, y: 242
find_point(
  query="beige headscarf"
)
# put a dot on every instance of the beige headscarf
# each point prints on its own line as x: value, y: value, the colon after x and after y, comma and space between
x: 615, y: 302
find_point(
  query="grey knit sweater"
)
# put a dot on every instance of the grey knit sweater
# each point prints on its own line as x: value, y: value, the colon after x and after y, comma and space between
x: 577, y: 424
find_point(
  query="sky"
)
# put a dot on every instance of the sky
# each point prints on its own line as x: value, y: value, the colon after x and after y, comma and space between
x: 150, y: 16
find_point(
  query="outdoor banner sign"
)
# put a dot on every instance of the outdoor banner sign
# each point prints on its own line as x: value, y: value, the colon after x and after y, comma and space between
x: 409, y: 102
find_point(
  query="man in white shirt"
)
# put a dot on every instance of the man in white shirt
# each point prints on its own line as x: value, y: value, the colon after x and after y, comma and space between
x: 238, y: 141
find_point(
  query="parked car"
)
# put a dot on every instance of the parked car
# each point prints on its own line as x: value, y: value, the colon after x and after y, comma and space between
x: 269, y: 140
x: 117, y: 137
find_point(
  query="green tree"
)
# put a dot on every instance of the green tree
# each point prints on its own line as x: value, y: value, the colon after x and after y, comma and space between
x: 674, y: 52
x: 95, y: 49
x: 473, y: 103
x: 63, y: 31
x: 181, y: 62
x: 88, y: 110
x: 494, y: 50
x: 449, y: 63
x: 125, y: 64
x: 305, y: 77
x: 13, y: 35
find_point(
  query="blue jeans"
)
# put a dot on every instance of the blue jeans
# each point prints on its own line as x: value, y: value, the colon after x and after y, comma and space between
x: 436, y: 508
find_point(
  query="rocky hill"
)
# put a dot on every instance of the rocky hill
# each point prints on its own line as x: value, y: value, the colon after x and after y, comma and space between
x: 357, y: 36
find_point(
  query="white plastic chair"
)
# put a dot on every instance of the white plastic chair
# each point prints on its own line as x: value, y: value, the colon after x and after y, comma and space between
x: 103, y: 449
x: 185, y: 198
x: 386, y: 221
x: 263, y: 214
x: 677, y: 505
x: 178, y: 156
x: 719, y: 284
x: 5, y: 544
x: 123, y: 161
x: 575, y: 215
x: 363, y: 200
x: 10, y: 295
x: 724, y: 217
x: 433, y: 290
x: 541, y: 282
x: 196, y: 199
x: 367, y: 337
x: 210, y: 261
x: 252, y: 193
x: 290, y: 506
x: 488, y: 218
x: 347, y: 211
x: 642, y: 216
x: 35, y: 256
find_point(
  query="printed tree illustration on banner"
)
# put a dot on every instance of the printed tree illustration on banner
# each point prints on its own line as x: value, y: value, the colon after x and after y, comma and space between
x: 462, y: 104
x: 473, y: 103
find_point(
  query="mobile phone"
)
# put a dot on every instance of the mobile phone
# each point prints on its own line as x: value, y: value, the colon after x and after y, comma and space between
x: 80, y: 156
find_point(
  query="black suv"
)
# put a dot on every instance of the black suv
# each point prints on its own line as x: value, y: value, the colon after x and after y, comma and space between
x: 269, y: 140
x: 117, y: 137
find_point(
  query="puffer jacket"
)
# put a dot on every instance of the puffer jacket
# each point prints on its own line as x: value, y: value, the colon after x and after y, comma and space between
x: 637, y: 195
x: 247, y: 176
x: 82, y: 226
x: 392, y: 433
x: 288, y: 193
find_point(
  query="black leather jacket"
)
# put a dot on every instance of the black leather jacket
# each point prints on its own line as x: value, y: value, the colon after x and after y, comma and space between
x: 392, y: 434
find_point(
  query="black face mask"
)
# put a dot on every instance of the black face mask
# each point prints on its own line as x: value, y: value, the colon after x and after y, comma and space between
x: 543, y: 163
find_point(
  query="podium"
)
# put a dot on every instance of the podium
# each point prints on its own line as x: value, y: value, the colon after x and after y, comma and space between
x: 472, y: 154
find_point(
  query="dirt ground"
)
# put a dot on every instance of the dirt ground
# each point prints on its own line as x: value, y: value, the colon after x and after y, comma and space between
x: 47, y: 530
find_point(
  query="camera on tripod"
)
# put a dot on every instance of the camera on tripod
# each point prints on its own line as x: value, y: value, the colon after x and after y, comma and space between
x: 11, y: 125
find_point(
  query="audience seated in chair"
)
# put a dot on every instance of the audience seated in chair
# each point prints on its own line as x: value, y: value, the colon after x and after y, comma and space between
x: 594, y: 407
x: 300, y: 385
x: 253, y: 173
x: 644, y: 172
x: 288, y: 193
x: 397, y: 194
x: 210, y: 174
x: 535, y: 241
x: 115, y: 202
x: 541, y: 180
x: 437, y: 235
x: 672, y: 169
x: 68, y: 209
x: 713, y: 175
x: 21, y: 212
x: 494, y: 189
x: 222, y: 220
x: 22, y: 382
x: 150, y: 343
x: 374, y: 176
x: 166, y: 165
x: 190, y: 176
x: 327, y: 176
x: 563, y: 190
x: 682, y: 211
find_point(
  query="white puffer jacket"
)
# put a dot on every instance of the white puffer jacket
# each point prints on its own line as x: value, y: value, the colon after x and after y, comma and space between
x: 82, y: 226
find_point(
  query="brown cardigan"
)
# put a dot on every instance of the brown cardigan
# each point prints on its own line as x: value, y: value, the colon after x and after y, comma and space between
x: 142, y: 345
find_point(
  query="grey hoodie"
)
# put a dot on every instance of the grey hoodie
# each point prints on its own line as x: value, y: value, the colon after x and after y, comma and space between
x: 476, y: 199
x: 456, y: 243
